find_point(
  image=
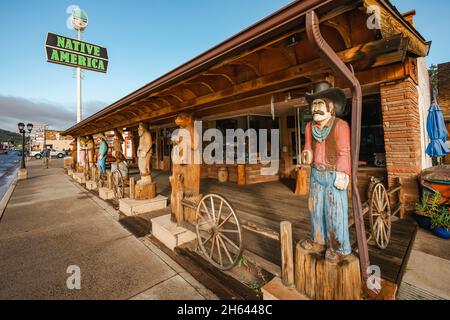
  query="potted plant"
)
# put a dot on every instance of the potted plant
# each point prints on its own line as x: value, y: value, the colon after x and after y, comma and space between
x: 440, y: 222
x: 428, y: 206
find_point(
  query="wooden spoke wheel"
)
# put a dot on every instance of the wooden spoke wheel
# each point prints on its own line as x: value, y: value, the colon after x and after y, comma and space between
x: 219, y: 231
x: 380, y: 216
x: 118, y: 185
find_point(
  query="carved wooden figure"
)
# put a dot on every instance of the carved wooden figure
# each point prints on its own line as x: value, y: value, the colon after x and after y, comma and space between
x: 102, y: 152
x: 117, y: 153
x: 90, y: 151
x: 327, y: 150
x: 83, y: 149
x: 185, y: 179
x: 145, y: 188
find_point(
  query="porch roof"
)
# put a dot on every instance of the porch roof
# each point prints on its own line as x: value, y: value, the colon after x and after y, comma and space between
x: 270, y: 57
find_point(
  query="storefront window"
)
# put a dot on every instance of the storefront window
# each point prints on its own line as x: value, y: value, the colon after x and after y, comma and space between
x: 245, y: 122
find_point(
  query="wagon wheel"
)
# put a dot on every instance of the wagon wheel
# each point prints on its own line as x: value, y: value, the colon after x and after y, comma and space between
x: 380, y: 216
x: 219, y: 231
x: 118, y: 185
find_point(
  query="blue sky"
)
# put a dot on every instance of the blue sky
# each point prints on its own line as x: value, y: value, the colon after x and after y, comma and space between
x: 145, y: 39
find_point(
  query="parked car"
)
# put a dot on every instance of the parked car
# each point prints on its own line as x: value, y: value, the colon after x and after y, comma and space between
x: 35, y: 153
x: 53, y: 153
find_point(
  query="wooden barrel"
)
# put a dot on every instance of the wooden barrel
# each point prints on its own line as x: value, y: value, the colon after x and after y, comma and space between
x: 222, y: 174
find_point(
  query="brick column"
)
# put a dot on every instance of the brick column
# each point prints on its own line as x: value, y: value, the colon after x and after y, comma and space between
x: 401, y: 120
x: 444, y: 88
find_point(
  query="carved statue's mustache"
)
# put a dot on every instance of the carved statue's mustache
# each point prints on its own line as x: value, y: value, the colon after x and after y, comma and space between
x: 319, y: 112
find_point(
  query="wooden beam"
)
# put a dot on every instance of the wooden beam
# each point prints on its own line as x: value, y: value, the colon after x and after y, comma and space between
x: 203, y: 83
x: 342, y: 25
x: 287, y: 253
x: 185, y: 87
x: 173, y: 96
x: 279, y: 77
x: 247, y: 65
x: 290, y: 58
x: 391, y: 26
x: 223, y: 75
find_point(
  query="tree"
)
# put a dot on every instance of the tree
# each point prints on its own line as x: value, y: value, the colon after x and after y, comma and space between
x: 434, y: 80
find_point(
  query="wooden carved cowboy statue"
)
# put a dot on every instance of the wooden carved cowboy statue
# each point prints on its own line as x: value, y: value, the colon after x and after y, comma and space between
x: 102, y: 152
x: 327, y: 150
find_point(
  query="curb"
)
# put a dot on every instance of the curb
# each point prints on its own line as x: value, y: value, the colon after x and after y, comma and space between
x: 7, y: 196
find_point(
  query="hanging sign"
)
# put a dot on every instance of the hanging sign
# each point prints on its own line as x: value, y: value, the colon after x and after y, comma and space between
x: 76, y: 53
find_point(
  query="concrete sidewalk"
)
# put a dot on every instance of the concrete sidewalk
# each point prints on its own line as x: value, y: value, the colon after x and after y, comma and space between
x: 427, y: 275
x: 50, y: 224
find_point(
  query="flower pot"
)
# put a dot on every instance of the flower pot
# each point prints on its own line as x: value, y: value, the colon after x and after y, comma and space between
x: 424, y: 222
x: 442, y: 233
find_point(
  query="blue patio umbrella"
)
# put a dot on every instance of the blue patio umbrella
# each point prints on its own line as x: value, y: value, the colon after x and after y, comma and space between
x: 437, y: 132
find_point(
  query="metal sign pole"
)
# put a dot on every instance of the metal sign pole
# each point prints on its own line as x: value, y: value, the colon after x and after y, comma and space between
x: 79, y: 103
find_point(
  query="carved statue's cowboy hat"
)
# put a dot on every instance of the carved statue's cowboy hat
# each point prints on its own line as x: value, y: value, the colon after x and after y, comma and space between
x: 100, y: 136
x: 325, y: 90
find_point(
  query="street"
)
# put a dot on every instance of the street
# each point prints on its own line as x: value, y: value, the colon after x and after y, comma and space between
x: 8, y: 165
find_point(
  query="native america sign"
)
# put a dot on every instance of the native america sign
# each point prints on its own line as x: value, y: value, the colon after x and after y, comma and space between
x: 76, y: 53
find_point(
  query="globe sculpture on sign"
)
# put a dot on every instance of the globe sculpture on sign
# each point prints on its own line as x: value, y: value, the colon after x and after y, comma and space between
x: 79, y: 19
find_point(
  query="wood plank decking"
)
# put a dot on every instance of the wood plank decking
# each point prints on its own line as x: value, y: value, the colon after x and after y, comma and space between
x: 264, y: 206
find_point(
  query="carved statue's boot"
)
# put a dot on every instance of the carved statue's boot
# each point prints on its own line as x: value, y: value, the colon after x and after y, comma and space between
x: 310, y: 245
x: 332, y: 256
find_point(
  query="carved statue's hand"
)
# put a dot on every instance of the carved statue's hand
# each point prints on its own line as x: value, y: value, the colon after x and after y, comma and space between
x: 307, y: 157
x: 342, y: 181
x: 176, y: 139
x: 141, y: 153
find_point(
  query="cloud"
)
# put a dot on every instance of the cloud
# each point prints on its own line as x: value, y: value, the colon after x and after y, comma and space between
x: 15, y: 109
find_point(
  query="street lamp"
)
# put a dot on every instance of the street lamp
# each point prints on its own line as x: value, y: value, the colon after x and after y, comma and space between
x: 21, y: 127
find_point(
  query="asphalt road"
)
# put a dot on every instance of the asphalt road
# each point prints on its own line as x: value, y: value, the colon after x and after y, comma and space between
x: 8, y: 166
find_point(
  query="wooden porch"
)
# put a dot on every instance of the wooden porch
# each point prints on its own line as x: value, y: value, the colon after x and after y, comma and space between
x: 261, y: 208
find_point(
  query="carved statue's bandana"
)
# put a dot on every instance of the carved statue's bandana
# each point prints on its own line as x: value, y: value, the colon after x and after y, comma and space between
x: 321, y: 134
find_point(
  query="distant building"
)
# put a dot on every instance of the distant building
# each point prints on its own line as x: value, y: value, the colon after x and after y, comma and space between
x: 42, y: 136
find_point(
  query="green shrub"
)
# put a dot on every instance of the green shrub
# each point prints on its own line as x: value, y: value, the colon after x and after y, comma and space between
x: 441, y: 218
x: 429, y: 205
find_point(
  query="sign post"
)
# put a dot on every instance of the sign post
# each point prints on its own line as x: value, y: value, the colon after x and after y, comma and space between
x: 79, y: 103
x: 78, y: 54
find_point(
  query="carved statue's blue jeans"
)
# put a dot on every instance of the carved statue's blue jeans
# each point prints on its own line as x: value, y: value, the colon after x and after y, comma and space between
x: 328, y: 208
x: 101, y: 163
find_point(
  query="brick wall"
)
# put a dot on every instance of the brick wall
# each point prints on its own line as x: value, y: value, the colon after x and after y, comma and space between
x: 444, y: 88
x: 402, y: 132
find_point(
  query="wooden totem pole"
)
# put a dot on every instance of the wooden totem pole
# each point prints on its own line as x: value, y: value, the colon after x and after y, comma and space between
x: 185, y: 179
x: 325, y: 265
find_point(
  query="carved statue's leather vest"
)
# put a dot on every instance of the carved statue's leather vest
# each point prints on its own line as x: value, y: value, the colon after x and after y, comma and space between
x: 331, y: 154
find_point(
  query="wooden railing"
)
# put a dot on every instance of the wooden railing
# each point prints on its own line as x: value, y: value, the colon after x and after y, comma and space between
x: 399, y: 210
